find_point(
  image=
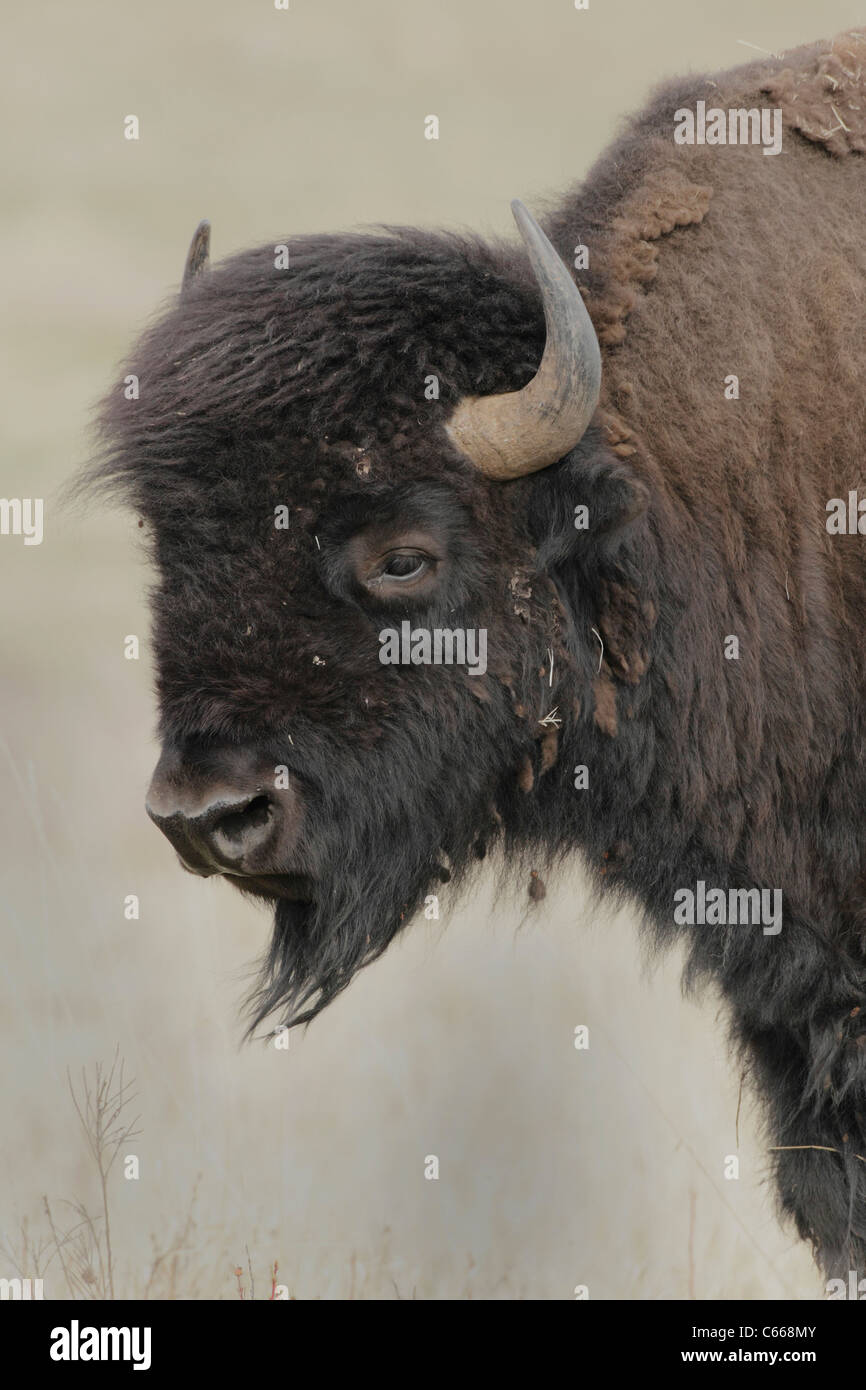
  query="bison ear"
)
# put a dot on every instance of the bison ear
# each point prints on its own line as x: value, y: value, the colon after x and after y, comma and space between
x: 198, y: 255
x: 589, y: 522
x: 584, y: 509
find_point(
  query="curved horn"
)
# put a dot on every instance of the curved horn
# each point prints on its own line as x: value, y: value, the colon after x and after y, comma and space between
x: 198, y: 255
x: 519, y: 432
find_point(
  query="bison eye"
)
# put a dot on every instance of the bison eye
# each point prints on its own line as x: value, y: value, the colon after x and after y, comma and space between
x: 395, y: 563
x: 402, y: 565
x: 399, y: 569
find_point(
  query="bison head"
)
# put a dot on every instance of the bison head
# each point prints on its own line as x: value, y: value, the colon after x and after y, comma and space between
x: 331, y: 442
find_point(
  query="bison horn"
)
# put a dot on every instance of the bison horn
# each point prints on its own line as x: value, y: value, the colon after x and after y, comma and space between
x: 197, y: 256
x: 519, y: 432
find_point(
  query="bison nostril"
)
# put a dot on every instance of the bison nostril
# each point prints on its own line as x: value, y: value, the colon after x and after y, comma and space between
x: 220, y: 814
x: 245, y: 826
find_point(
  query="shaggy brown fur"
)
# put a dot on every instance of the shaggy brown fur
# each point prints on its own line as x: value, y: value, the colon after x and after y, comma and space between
x: 306, y: 388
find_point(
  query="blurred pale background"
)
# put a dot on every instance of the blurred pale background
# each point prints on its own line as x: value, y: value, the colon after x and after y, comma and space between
x: 557, y: 1167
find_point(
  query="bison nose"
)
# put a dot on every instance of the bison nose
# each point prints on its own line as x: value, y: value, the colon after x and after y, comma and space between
x: 221, y: 825
x: 224, y: 836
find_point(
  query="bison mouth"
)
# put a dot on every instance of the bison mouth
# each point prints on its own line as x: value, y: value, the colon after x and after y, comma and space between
x: 291, y: 888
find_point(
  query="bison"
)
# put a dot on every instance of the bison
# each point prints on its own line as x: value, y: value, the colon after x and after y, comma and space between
x: 627, y: 451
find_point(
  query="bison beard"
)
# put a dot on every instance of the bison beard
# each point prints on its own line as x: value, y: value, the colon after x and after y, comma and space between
x: 305, y: 389
x: 384, y: 830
